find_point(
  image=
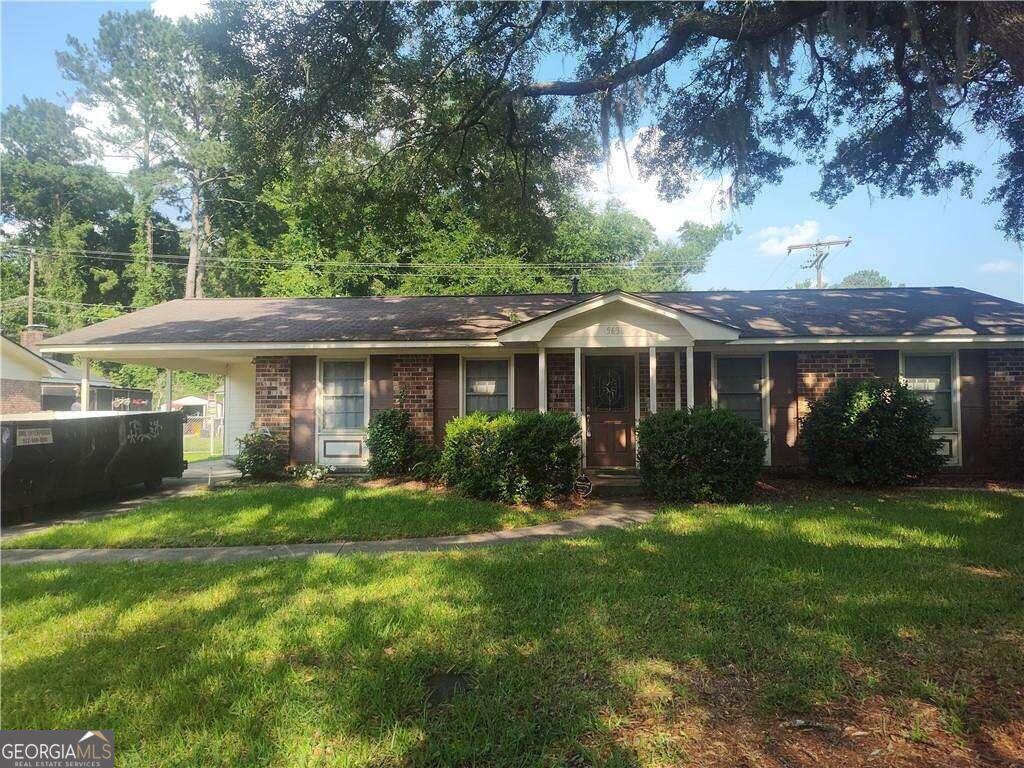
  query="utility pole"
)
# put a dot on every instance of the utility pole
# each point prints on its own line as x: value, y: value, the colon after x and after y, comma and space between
x: 31, y: 288
x: 820, y: 251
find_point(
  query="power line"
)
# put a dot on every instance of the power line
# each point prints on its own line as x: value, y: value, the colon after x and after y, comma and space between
x: 382, y: 265
x: 38, y: 299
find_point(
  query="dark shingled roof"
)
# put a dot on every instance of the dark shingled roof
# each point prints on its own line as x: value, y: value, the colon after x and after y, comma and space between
x: 757, y: 315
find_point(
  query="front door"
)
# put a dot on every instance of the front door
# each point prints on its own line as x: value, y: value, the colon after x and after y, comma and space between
x: 610, y: 412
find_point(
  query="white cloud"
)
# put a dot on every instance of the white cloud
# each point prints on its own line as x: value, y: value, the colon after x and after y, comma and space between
x: 1000, y: 265
x: 177, y: 9
x: 775, y: 240
x: 97, y: 121
x: 703, y: 204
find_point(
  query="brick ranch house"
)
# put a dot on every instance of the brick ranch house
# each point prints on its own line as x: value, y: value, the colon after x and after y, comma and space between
x: 314, y: 370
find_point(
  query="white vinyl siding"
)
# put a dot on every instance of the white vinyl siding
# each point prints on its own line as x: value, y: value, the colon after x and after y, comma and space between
x: 239, y: 404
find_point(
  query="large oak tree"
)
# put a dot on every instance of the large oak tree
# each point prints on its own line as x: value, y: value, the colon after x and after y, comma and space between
x: 874, y: 94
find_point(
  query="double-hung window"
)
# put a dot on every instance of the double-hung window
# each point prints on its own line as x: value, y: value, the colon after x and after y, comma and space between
x: 344, y: 393
x: 739, y: 382
x: 486, y: 386
x: 931, y: 376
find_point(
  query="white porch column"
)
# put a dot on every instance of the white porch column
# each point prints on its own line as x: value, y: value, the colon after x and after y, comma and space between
x: 542, y: 381
x: 678, y: 380
x: 169, y: 390
x: 578, y: 379
x: 84, y: 390
x: 689, y: 376
x: 653, y: 382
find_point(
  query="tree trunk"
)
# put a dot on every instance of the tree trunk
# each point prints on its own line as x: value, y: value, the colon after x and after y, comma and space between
x: 147, y: 157
x: 1001, y: 27
x: 149, y: 242
x: 201, y: 269
x: 192, y: 272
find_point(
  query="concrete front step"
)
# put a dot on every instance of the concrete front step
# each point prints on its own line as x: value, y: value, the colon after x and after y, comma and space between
x: 615, y: 483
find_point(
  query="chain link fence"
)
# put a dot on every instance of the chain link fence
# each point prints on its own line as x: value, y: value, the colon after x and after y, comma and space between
x: 203, y: 437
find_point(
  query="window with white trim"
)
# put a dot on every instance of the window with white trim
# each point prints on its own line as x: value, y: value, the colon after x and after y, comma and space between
x: 931, y: 376
x: 739, y: 381
x: 486, y: 386
x: 344, y: 393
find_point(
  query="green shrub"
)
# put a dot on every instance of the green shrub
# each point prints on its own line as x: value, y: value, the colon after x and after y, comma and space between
x: 313, y: 473
x: 870, y: 432
x: 512, y: 456
x: 261, y: 455
x: 699, y: 455
x: 392, y: 444
x: 424, y: 462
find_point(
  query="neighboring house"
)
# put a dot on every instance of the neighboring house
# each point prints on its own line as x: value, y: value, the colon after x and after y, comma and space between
x: 21, y: 377
x: 195, y: 407
x: 314, y: 371
x: 30, y: 382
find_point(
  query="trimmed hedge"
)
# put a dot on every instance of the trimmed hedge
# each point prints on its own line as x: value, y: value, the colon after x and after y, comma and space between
x: 261, y: 455
x: 512, y: 457
x: 870, y: 432
x: 699, y: 455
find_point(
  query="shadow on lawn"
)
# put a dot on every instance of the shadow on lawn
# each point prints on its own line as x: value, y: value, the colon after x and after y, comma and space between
x: 558, y: 644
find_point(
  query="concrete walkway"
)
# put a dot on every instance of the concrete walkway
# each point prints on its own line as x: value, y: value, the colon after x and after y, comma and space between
x: 604, y: 515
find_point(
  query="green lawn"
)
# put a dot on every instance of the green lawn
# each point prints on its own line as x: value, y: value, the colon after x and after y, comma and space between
x: 277, y: 514
x: 693, y: 639
x: 197, y: 448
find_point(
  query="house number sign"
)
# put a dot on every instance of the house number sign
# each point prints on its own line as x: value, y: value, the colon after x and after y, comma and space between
x: 612, y: 330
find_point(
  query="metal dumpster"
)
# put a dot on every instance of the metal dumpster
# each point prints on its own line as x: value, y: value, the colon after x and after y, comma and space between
x: 53, y: 457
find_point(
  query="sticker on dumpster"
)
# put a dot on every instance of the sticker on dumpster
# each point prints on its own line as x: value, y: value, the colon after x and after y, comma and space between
x: 35, y: 436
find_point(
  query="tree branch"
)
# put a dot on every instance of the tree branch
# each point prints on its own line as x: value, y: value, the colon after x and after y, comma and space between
x: 734, y: 28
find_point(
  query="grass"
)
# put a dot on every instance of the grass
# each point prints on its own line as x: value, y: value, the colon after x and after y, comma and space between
x: 656, y: 645
x: 284, y: 513
x: 197, y: 448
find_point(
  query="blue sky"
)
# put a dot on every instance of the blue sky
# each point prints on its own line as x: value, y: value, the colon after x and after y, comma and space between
x: 943, y: 240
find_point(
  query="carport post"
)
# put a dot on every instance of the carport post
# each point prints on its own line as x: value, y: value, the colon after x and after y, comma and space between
x: 168, y: 394
x: 85, y: 393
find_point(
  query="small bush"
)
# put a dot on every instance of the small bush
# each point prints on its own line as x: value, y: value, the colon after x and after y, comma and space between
x: 392, y: 444
x: 313, y: 473
x: 424, y: 462
x: 512, y: 456
x: 870, y: 432
x: 699, y: 455
x: 261, y: 455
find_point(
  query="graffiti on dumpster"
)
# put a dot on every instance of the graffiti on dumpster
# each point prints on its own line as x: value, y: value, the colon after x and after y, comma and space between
x: 143, y: 432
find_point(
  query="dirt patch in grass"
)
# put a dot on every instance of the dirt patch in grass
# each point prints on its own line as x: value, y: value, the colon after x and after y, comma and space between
x: 714, y: 724
x: 782, y: 488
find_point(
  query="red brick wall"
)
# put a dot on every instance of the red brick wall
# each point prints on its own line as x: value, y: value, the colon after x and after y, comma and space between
x: 1005, y: 394
x: 414, y: 390
x: 20, y: 396
x: 273, y: 395
x: 561, y: 382
x: 816, y: 372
